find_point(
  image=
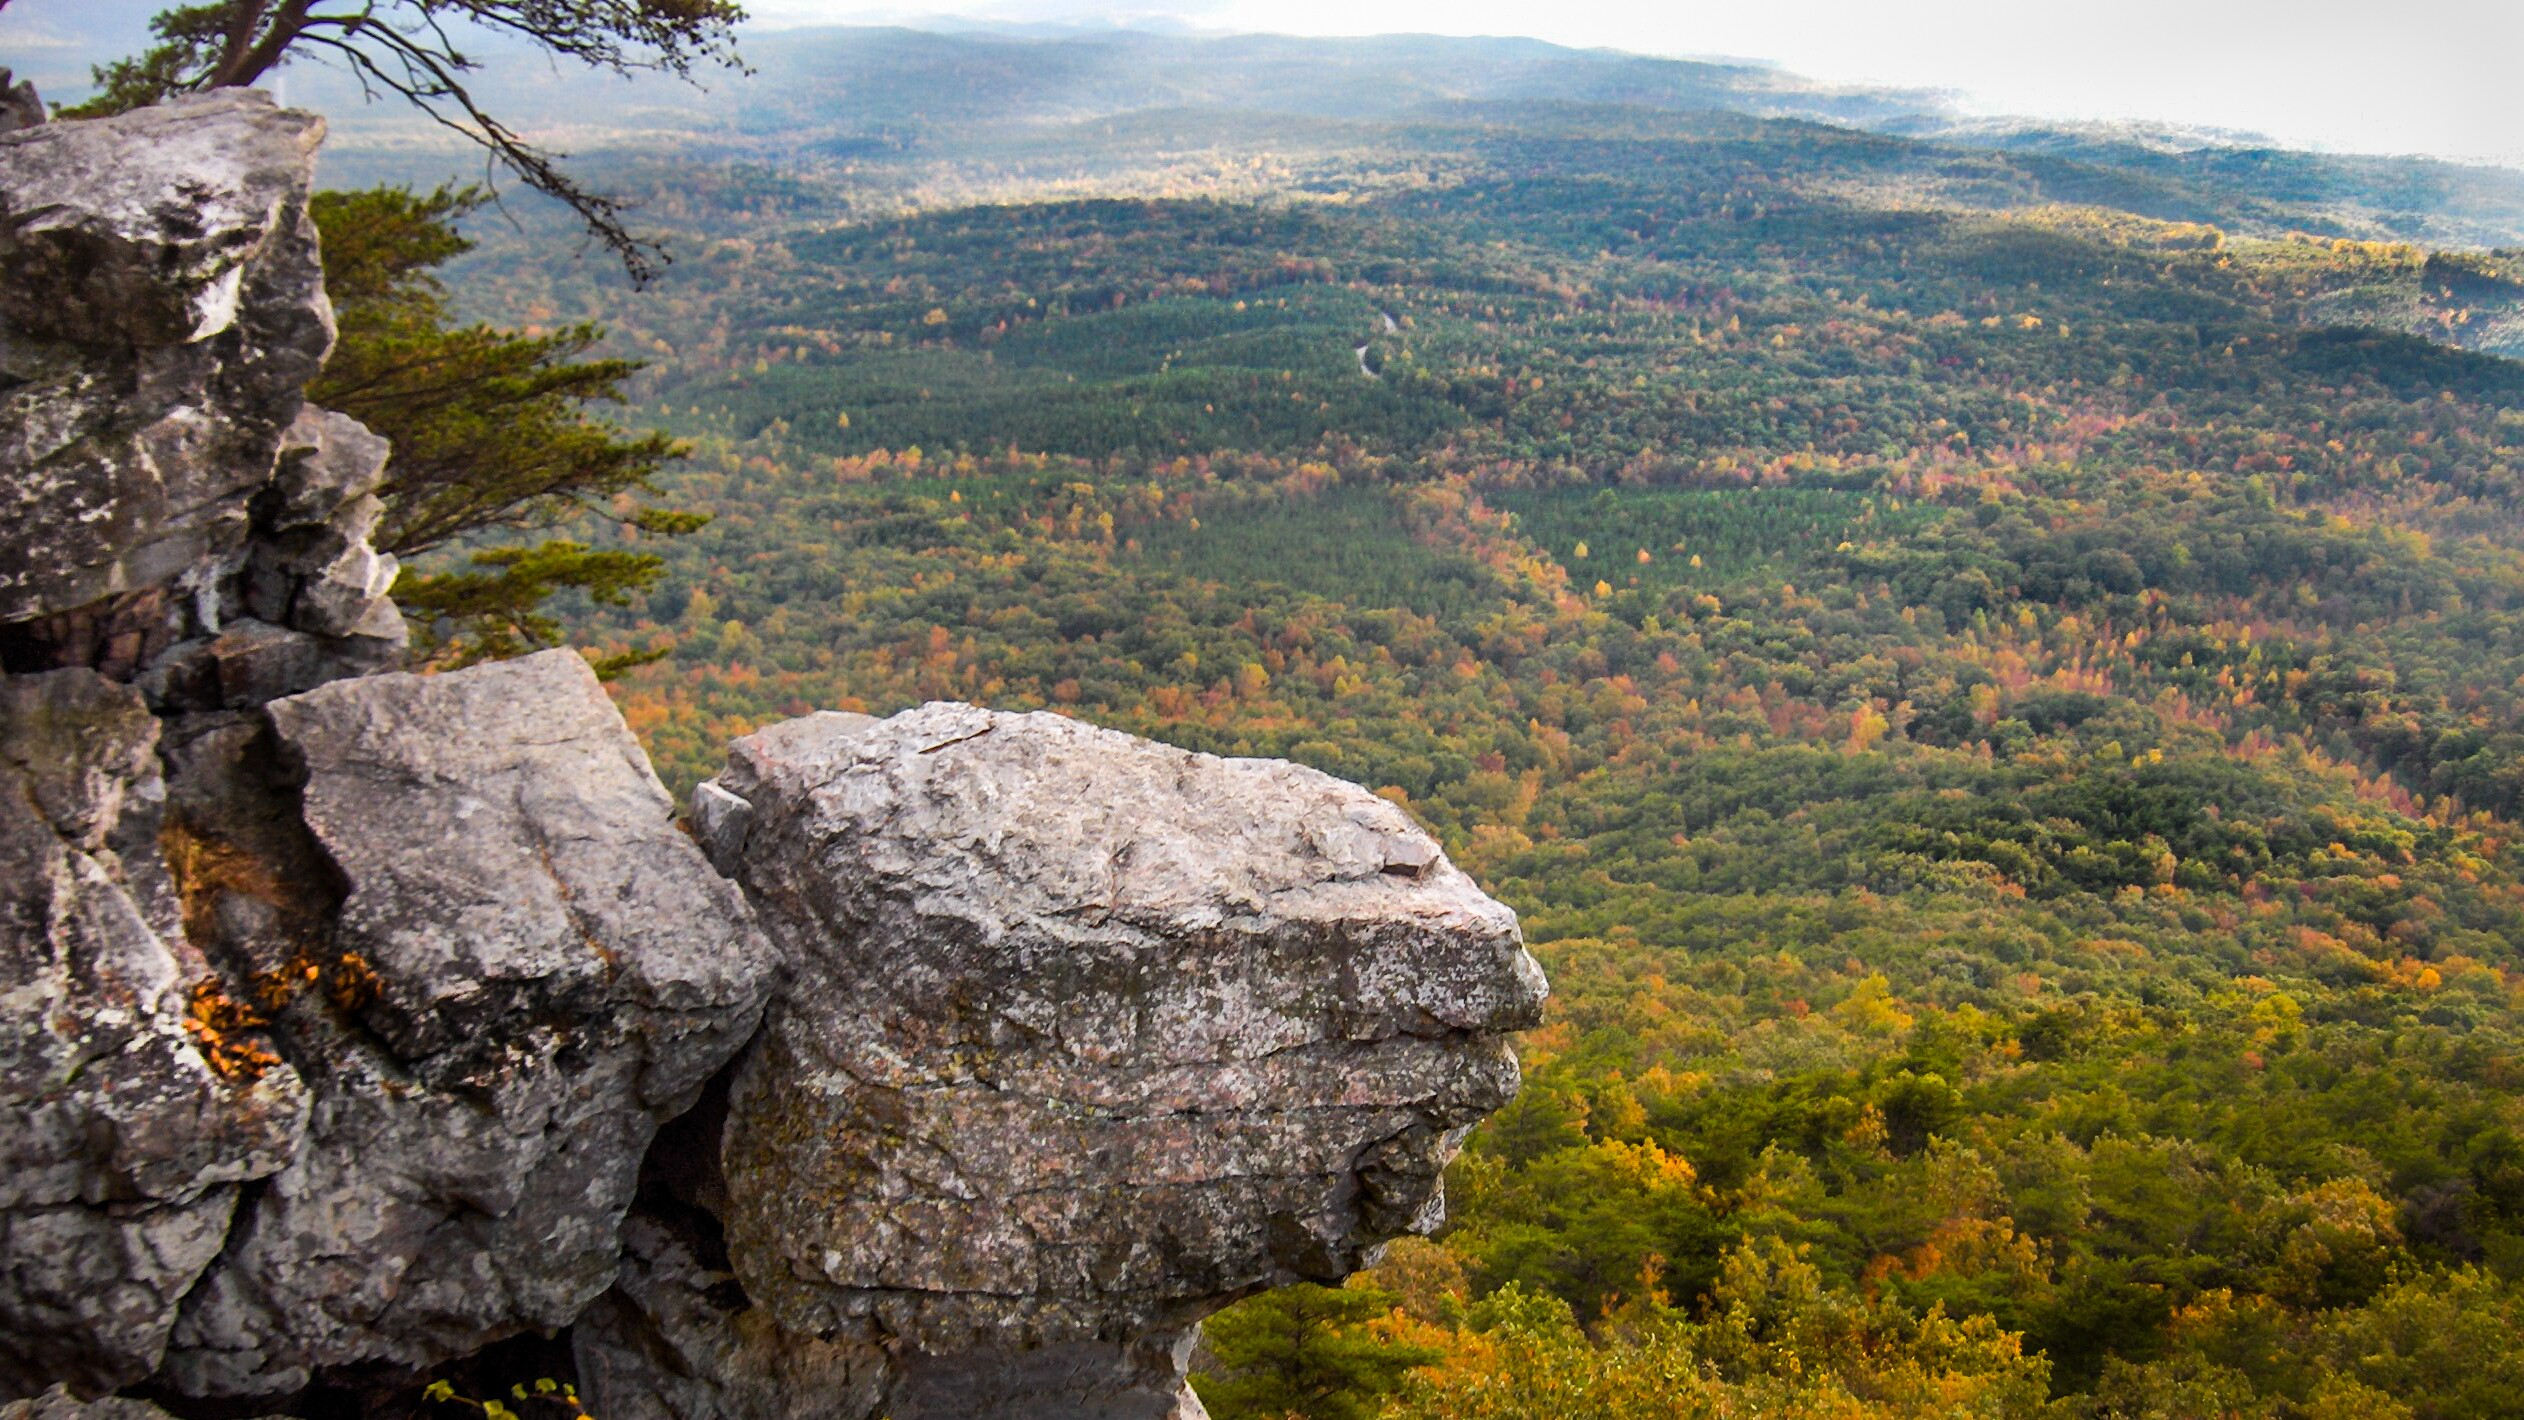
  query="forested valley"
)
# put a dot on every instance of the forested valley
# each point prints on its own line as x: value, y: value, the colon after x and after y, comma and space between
x: 1994, y: 679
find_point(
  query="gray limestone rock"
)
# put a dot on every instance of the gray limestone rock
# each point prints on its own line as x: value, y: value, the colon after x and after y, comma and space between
x: 134, y: 1095
x: 251, y: 662
x: 147, y: 224
x: 59, y: 1404
x: 676, y: 1340
x: 524, y: 970
x: 509, y: 853
x: 1084, y: 1038
x: 311, y: 566
x: 19, y: 106
x: 161, y: 310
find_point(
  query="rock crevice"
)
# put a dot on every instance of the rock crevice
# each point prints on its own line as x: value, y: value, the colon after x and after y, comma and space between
x: 343, y: 1004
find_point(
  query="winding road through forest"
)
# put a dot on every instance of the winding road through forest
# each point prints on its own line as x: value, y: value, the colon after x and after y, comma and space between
x: 1391, y: 328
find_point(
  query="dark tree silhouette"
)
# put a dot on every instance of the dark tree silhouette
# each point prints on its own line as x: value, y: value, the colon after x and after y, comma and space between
x: 408, y: 48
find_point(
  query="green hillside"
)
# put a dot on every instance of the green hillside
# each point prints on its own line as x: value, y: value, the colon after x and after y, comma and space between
x: 1994, y: 676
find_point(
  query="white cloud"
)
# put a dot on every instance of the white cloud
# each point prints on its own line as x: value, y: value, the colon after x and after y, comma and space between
x: 24, y: 34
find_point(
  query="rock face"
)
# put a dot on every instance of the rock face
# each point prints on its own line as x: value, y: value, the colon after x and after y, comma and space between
x: 1084, y: 1038
x: 160, y: 308
x: 19, y: 107
x: 529, y: 969
x: 59, y: 1404
x: 677, y: 1340
x: 425, y: 961
x: 131, y: 1104
x: 310, y: 565
x: 425, y: 956
x: 161, y: 312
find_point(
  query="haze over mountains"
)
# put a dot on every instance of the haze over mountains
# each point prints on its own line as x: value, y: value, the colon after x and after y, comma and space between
x: 904, y: 98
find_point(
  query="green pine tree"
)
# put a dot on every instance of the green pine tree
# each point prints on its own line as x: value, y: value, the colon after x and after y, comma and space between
x: 1306, y: 1351
x: 491, y: 434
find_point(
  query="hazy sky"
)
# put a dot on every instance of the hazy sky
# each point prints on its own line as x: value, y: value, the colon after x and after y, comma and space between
x: 2426, y: 76
x: 2431, y: 76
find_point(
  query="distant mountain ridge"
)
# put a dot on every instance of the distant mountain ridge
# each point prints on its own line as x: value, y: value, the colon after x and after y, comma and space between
x: 817, y: 79
x: 850, y: 92
x: 857, y: 94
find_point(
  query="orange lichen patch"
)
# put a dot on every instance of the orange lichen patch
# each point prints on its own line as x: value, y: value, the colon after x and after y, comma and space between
x: 352, y: 984
x: 278, y: 987
x: 206, y: 868
x: 347, y: 980
x: 222, y: 1028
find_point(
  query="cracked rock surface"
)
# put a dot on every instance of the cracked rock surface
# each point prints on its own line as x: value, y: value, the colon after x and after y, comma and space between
x: 161, y: 310
x: 1085, y: 1037
x: 127, y: 1117
x: 528, y: 970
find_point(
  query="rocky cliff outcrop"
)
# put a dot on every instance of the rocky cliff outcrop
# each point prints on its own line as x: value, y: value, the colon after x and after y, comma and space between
x: 524, y: 970
x: 130, y: 1110
x: 1083, y: 1038
x: 358, y: 1020
x: 161, y: 310
x: 343, y: 1006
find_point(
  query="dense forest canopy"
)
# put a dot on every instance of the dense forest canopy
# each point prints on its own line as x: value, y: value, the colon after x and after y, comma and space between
x: 1994, y: 676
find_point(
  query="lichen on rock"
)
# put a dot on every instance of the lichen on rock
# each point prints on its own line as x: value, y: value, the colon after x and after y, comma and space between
x: 127, y: 1118
x: 547, y: 971
x: 1085, y: 1037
